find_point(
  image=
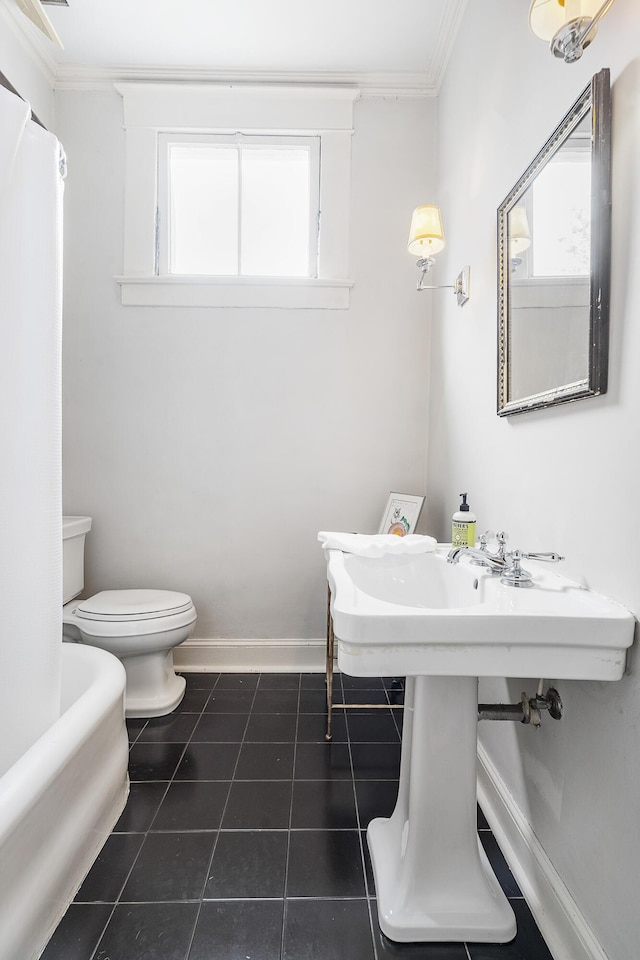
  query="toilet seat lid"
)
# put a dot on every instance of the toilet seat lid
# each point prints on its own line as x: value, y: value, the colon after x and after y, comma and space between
x: 133, y: 605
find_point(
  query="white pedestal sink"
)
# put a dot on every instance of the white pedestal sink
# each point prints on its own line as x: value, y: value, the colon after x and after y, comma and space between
x: 443, y: 626
x: 433, y: 880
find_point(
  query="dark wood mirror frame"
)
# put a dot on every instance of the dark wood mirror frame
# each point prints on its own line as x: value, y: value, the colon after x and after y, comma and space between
x: 594, y: 102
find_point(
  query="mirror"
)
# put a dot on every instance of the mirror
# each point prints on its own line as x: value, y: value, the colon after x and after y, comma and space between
x: 554, y: 230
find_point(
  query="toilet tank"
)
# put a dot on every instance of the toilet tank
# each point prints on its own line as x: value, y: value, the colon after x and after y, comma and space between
x: 74, y: 530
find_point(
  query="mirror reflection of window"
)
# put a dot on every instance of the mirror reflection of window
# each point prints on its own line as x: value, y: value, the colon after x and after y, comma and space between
x: 549, y: 234
x: 561, y: 205
x: 552, y: 221
x: 561, y: 209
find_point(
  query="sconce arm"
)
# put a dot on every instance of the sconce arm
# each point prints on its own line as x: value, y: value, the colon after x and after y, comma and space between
x: 460, y: 286
x: 595, y: 20
x: 424, y: 264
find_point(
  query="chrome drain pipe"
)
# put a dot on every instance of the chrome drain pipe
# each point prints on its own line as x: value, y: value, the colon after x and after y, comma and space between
x: 528, y: 710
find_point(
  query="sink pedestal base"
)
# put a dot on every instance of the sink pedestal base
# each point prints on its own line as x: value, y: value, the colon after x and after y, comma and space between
x: 433, y: 880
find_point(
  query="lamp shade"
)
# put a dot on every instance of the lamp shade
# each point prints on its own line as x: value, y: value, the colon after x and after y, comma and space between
x: 518, y: 231
x: 426, y: 236
x: 547, y: 17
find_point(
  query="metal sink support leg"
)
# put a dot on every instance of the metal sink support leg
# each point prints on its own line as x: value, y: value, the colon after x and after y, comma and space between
x: 329, y: 670
x: 433, y: 879
x: 329, y: 654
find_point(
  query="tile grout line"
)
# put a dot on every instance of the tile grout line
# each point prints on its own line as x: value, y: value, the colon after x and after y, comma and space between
x: 361, y: 841
x: 224, y: 810
x: 102, y: 932
x: 288, y: 844
x: 145, y: 833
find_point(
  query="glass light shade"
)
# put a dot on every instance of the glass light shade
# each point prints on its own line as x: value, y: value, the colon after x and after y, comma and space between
x: 547, y: 17
x: 518, y: 231
x: 426, y: 236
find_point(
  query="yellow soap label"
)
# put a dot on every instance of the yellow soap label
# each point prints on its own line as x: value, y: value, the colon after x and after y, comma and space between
x: 463, y: 533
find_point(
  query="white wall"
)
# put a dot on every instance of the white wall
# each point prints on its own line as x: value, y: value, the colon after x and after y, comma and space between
x: 564, y: 479
x: 210, y: 446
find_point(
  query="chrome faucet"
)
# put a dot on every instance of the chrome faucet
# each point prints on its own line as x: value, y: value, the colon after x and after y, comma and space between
x: 495, y: 562
x: 506, y: 564
x: 515, y: 576
x: 482, y: 557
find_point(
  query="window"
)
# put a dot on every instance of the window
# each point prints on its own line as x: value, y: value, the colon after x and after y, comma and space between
x: 243, y: 206
x: 237, y: 195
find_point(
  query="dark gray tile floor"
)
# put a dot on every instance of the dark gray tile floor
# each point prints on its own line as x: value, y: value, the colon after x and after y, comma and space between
x: 244, y: 834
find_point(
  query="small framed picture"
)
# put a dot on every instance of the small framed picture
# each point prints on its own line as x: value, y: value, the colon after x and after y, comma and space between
x: 401, y: 514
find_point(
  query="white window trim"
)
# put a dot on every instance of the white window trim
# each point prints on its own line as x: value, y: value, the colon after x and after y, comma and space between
x: 153, y: 108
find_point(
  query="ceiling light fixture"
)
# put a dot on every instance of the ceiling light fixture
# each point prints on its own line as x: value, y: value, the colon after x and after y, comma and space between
x: 426, y: 240
x: 569, y: 26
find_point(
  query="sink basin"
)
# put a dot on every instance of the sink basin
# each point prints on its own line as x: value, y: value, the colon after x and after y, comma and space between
x: 419, y: 615
x: 442, y: 626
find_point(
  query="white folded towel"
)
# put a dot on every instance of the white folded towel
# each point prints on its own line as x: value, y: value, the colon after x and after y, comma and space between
x: 376, y: 545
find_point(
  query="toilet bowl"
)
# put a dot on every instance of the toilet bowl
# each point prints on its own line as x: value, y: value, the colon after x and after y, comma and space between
x: 140, y: 627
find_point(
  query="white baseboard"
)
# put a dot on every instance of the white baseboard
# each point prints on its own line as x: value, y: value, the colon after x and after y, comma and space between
x: 561, y: 923
x: 250, y: 656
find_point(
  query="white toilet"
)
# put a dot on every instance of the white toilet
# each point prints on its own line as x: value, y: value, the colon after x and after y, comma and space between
x: 141, y: 627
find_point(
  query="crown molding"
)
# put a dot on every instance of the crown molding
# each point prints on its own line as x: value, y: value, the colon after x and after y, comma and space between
x: 447, y: 35
x: 396, y: 85
x: 401, y: 85
x: 33, y: 43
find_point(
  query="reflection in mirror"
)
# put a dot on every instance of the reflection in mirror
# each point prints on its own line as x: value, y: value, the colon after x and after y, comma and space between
x: 554, y: 264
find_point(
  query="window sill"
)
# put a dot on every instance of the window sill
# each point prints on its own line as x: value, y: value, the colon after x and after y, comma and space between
x: 292, y: 294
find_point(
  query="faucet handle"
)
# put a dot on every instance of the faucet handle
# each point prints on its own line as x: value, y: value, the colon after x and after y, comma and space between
x: 502, y: 536
x: 484, y: 537
x: 487, y: 535
x: 515, y: 576
x: 550, y: 557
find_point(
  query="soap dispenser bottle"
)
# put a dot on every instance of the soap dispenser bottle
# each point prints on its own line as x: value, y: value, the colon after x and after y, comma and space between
x: 463, y: 525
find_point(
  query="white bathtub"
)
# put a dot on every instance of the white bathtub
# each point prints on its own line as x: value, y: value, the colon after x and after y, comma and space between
x: 60, y: 801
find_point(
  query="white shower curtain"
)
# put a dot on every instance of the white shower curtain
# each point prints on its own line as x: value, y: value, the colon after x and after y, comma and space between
x: 30, y: 414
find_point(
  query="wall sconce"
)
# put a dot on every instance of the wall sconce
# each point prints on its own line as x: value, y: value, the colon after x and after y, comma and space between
x: 426, y: 240
x: 519, y: 235
x: 568, y: 26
